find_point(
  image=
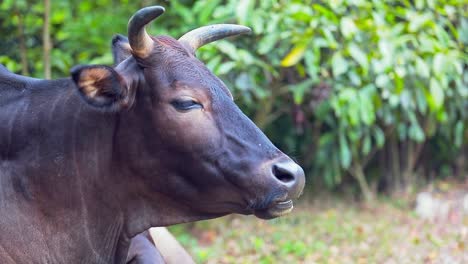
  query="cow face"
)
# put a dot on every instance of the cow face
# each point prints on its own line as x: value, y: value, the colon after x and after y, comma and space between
x: 187, y: 138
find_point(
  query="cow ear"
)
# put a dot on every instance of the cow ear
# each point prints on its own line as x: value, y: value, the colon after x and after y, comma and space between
x: 121, y: 49
x: 100, y: 86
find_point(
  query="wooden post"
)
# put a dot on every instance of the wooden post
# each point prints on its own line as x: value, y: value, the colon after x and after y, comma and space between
x: 169, y: 247
x: 46, y: 40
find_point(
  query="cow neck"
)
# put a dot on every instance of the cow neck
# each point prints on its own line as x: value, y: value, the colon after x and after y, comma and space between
x: 58, y: 181
x: 102, y: 188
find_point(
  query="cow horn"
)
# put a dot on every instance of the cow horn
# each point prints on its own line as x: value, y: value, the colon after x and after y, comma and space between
x: 139, y: 40
x: 207, y: 34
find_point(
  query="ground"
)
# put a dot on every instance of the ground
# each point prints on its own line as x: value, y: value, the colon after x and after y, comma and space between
x: 332, y: 231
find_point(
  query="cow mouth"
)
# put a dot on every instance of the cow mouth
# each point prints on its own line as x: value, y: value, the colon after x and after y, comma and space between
x: 276, y: 209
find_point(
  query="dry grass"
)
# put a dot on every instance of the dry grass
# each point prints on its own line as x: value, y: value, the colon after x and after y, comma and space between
x: 339, y: 232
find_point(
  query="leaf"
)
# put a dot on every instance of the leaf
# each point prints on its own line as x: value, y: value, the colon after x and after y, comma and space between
x: 366, y: 109
x: 359, y: 56
x: 419, y: 4
x: 378, y: 66
x: 7, y: 4
x: 416, y: 133
x: 245, y: 57
x: 294, y: 56
x: 272, y: 25
x: 243, y: 11
x: 354, y: 77
x: 379, y: 136
x: 330, y: 39
x: 312, y: 60
x: 58, y: 17
x: 348, y: 28
x: 205, y: 10
x: 300, y: 12
x: 439, y: 64
x: 420, y: 98
x: 366, y: 145
x: 267, y: 43
x: 213, y: 62
x: 325, y: 140
x: 442, y: 36
x: 382, y: 81
x: 437, y: 95
x: 345, y: 153
x: 417, y: 20
x: 243, y: 81
x: 463, y: 31
x: 225, y: 67
x: 339, y: 65
x: 386, y: 48
x: 228, y: 49
x: 422, y: 68
x: 258, y: 25
x: 9, y: 63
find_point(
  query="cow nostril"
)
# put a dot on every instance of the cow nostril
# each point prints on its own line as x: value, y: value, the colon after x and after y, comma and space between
x: 283, y: 173
x: 290, y: 175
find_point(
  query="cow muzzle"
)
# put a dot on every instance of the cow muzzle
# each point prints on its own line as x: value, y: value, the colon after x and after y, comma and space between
x: 289, y: 177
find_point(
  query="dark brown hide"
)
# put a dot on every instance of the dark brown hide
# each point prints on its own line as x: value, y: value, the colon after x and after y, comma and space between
x: 143, y: 245
x: 143, y: 251
x: 88, y: 163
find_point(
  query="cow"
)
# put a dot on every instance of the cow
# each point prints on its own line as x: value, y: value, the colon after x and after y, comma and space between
x: 142, y: 250
x: 90, y: 161
x: 156, y: 245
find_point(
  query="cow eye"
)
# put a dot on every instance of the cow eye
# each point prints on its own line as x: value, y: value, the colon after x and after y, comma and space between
x: 185, y: 105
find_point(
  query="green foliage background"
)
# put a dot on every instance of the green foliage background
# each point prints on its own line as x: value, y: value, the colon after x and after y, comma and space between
x: 370, y: 94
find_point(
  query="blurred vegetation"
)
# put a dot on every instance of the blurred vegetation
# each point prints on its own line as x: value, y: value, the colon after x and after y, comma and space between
x: 370, y: 95
x: 342, y: 233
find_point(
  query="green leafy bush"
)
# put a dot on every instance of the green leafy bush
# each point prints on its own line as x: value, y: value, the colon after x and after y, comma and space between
x: 369, y: 89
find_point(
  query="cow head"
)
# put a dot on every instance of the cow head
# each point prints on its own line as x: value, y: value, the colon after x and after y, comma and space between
x: 181, y: 135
